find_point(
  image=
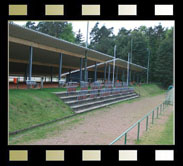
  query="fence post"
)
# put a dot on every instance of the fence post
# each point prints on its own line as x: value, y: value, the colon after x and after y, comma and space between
x: 125, y: 138
x: 153, y: 117
x: 160, y: 110
x: 157, y: 112
x: 147, y: 123
x: 138, y: 132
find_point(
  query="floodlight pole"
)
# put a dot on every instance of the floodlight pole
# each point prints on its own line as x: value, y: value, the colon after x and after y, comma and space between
x: 87, y: 34
x: 86, y: 80
x: 130, y: 73
x: 128, y: 69
x: 148, y: 65
x: 114, y: 65
x: 131, y: 48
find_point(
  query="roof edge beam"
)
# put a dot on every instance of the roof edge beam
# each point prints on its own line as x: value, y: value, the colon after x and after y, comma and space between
x: 48, y: 48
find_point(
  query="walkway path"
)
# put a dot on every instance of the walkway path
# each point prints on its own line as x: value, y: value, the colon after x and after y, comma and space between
x: 102, y: 126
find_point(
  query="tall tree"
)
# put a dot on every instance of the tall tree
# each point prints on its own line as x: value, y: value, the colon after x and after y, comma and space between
x: 79, y: 38
x: 30, y: 25
x: 164, y: 61
x: 102, y: 39
x: 62, y: 30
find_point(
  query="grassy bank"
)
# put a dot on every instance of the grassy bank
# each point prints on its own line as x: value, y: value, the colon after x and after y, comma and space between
x: 147, y: 90
x: 159, y: 135
x: 34, y: 106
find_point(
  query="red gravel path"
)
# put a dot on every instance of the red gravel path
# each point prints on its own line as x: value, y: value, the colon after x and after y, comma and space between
x: 103, y: 126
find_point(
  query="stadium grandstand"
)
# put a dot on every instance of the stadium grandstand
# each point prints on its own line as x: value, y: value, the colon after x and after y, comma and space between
x: 36, y: 57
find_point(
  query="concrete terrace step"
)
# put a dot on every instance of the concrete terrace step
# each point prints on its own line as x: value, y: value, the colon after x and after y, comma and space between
x: 104, y: 105
x: 77, y: 102
x: 100, y: 102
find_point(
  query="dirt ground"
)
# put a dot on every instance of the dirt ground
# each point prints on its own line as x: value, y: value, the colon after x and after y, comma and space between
x: 103, y: 126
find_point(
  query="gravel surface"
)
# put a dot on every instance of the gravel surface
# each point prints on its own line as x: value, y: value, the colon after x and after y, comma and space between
x: 103, y: 126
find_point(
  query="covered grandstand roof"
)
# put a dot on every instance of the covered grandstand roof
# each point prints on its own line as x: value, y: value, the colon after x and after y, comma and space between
x: 46, y: 53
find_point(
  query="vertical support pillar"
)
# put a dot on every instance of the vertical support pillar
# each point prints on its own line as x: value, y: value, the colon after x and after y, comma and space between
x: 41, y: 82
x: 123, y: 76
x: 60, y: 67
x: 86, y: 80
x: 30, y: 62
x: 95, y: 76
x: 105, y: 68
x: 81, y: 72
x: 87, y: 75
x: 69, y: 75
x: 109, y: 72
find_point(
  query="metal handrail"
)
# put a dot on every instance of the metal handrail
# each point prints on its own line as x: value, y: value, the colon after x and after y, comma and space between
x: 157, y: 108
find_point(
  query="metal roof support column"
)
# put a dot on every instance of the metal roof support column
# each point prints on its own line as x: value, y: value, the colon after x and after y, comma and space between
x: 87, y: 75
x: 70, y: 75
x: 81, y: 65
x: 105, y: 68
x: 60, y: 67
x: 30, y: 62
x: 109, y: 72
x: 123, y: 76
x: 95, y: 76
x: 86, y: 80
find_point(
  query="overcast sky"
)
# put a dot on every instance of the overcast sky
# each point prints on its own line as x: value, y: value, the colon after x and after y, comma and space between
x: 82, y: 25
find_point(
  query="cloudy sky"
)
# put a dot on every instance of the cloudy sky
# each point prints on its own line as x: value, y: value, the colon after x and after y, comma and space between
x: 82, y: 25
